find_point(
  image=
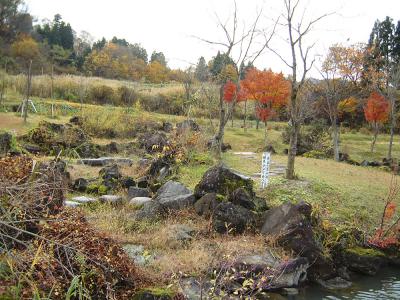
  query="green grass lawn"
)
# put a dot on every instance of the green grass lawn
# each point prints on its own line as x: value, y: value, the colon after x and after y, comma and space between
x: 343, y: 193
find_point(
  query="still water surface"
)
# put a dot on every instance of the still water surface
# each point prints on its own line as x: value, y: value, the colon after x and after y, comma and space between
x: 385, y: 285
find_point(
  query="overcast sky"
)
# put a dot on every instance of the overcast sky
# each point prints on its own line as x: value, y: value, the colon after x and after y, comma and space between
x: 169, y: 25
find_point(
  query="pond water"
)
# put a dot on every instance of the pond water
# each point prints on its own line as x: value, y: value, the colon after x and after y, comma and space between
x: 385, y: 285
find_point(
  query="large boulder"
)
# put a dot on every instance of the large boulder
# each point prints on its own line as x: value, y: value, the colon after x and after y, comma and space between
x: 363, y: 260
x: 206, y: 205
x: 174, y: 195
x: 290, y: 224
x: 222, y: 180
x: 232, y: 218
x: 150, y: 211
x: 288, y: 273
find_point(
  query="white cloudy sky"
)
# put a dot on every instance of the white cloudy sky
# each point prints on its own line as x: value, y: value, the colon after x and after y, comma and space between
x: 169, y: 25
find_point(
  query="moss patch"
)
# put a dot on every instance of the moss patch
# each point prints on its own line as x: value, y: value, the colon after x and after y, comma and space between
x: 365, y: 252
x: 159, y: 293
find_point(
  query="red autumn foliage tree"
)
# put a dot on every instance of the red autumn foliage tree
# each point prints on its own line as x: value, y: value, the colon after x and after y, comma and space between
x: 376, y: 112
x: 270, y: 90
x: 231, y: 93
x: 387, y: 234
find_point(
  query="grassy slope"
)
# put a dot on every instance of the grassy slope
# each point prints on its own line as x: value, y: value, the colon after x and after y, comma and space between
x: 342, y: 192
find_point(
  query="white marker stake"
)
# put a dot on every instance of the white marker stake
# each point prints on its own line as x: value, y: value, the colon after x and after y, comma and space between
x: 266, y: 160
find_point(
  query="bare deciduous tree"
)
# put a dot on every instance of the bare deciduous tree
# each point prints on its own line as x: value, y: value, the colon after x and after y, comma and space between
x: 334, y: 89
x: 240, y: 45
x: 188, y: 81
x: 300, y: 63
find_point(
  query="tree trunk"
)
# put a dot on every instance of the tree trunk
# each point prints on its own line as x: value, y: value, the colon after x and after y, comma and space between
x: 265, y: 133
x: 219, y: 137
x: 28, y: 92
x: 52, y: 90
x: 245, y: 116
x: 392, y: 126
x: 294, y: 132
x: 335, y: 137
x: 376, y: 129
x: 232, y: 119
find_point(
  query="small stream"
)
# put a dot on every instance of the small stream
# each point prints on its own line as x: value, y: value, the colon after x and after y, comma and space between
x: 385, y: 285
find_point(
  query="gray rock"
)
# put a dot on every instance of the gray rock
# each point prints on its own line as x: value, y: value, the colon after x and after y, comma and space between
x: 206, y: 205
x: 111, y: 176
x: 150, y: 211
x: 174, y: 195
x: 112, y: 199
x: 232, y: 218
x: 31, y: 148
x: 222, y: 180
x: 193, y: 289
x: 241, y: 197
x: 153, y: 142
x: 128, y: 182
x: 69, y: 203
x: 137, y: 254
x: 139, y: 201
x: 285, y: 274
x: 291, y: 226
x: 103, y: 161
x: 80, y: 185
x: 142, y: 182
x: 181, y: 233
x: 167, y: 127
x: 368, y: 263
x: 83, y: 199
x: 134, y: 192
x: 5, y: 142
x: 163, y: 173
x: 335, y: 283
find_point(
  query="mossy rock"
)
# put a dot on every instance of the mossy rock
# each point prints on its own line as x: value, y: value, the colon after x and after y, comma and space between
x: 154, y: 294
x: 369, y: 252
x: 366, y: 261
x: 8, y: 143
x: 97, y: 188
x: 222, y: 180
x: 220, y: 198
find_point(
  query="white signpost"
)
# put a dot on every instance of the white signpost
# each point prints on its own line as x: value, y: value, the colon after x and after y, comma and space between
x: 266, y: 161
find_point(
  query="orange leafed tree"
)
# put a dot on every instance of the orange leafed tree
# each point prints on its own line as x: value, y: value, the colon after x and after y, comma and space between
x: 232, y: 94
x: 376, y: 113
x: 270, y: 91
